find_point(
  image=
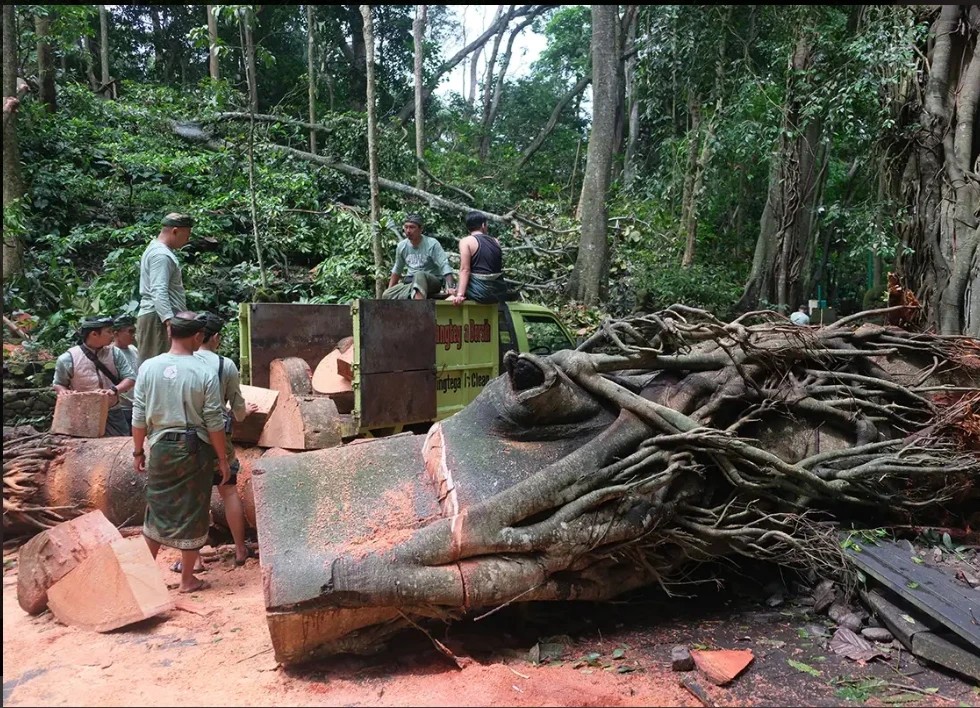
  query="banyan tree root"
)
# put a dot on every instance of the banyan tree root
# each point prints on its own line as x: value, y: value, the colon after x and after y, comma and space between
x: 663, y: 442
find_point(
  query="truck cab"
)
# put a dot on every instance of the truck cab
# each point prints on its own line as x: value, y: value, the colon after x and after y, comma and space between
x: 414, y: 361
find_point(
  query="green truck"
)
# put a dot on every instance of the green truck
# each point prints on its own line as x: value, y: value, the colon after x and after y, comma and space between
x: 414, y: 361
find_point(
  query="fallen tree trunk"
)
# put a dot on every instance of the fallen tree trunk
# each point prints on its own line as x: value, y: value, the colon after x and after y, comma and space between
x: 48, y: 479
x: 666, y: 441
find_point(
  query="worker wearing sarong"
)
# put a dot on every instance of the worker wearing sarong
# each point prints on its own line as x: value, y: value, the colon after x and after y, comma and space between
x: 95, y: 365
x: 161, y: 285
x: 177, y: 409
x: 481, y: 277
x: 426, y: 262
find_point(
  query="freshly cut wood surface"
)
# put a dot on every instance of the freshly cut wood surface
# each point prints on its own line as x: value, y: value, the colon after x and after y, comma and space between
x: 303, y: 423
x: 291, y: 376
x: 722, y: 665
x: 116, y: 585
x: 52, y: 554
x: 250, y: 429
x: 82, y: 415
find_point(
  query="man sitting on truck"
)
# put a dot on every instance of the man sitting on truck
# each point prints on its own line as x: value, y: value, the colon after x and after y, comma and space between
x: 480, y: 264
x: 426, y: 262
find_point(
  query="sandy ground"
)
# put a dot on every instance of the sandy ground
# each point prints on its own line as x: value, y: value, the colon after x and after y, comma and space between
x: 216, y: 652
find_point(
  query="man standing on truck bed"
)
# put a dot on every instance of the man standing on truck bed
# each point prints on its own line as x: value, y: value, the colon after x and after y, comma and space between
x: 161, y: 286
x: 426, y: 262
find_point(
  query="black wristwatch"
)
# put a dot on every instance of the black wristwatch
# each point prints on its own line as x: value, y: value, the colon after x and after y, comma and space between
x: 138, y: 453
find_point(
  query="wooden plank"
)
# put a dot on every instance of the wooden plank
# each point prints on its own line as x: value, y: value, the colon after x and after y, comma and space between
x: 250, y: 429
x: 399, y: 397
x: 396, y: 335
x: 926, y: 588
x: 293, y: 329
x: 920, y: 639
x: 117, y: 584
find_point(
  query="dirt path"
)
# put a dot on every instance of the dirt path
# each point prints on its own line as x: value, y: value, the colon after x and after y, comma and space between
x: 218, y: 647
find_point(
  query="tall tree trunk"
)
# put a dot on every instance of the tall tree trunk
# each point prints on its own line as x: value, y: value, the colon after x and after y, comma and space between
x: 88, y: 53
x: 781, y: 265
x: 13, y: 185
x: 587, y: 282
x: 158, y: 61
x: 104, y: 42
x: 700, y: 165
x: 418, y: 32
x: 488, y: 74
x: 358, y: 77
x: 311, y: 71
x: 498, y: 90
x: 253, y: 90
x: 474, y: 65
x: 373, y: 151
x: 214, y: 66
x: 941, y: 186
x: 632, y: 104
x: 45, y: 62
x: 688, y: 222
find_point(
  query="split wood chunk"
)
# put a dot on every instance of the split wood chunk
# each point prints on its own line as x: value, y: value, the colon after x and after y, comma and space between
x: 333, y: 376
x: 81, y: 415
x: 291, y: 377
x: 52, y: 554
x: 116, y: 585
x: 303, y: 423
x: 250, y: 429
x: 722, y: 665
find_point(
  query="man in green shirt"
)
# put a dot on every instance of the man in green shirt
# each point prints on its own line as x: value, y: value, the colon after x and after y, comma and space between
x: 124, y: 334
x: 177, y: 409
x: 161, y: 285
x: 426, y: 262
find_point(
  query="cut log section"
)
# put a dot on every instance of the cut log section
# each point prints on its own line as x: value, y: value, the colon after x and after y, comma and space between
x: 303, y: 423
x: 330, y: 380
x: 291, y: 377
x: 81, y: 415
x: 52, y: 554
x: 250, y: 429
x: 116, y: 585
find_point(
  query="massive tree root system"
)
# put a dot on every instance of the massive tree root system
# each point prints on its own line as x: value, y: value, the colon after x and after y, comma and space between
x: 663, y: 442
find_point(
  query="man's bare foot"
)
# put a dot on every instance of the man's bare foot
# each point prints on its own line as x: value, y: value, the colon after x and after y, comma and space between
x: 196, y: 585
x: 177, y: 566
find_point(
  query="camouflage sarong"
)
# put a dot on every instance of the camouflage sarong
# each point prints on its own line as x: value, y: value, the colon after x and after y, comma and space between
x: 486, y: 288
x: 152, y: 336
x: 427, y: 283
x: 178, y: 494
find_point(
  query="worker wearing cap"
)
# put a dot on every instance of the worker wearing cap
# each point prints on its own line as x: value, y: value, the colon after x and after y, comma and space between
x: 94, y: 365
x: 426, y: 262
x: 161, y: 285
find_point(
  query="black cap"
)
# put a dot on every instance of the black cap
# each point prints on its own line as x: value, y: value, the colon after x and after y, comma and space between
x: 95, y: 322
x: 123, y: 321
x: 414, y: 219
x: 213, y: 324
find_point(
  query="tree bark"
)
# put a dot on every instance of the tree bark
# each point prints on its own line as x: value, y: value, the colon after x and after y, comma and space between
x: 688, y: 223
x: 632, y: 103
x: 373, y: 152
x: 104, y: 42
x: 253, y: 90
x: 311, y: 71
x: 781, y: 265
x: 45, y: 63
x: 214, y: 65
x: 13, y: 185
x: 418, y: 33
x: 358, y: 79
x: 498, y: 90
x: 941, y: 188
x: 158, y: 61
x: 587, y: 282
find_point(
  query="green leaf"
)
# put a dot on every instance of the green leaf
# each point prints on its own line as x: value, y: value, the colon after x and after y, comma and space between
x: 805, y: 668
x: 911, y: 585
x: 916, y: 560
x: 947, y: 540
x: 618, y: 654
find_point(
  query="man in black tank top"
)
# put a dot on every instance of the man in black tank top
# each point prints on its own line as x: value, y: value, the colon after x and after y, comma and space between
x: 481, y: 275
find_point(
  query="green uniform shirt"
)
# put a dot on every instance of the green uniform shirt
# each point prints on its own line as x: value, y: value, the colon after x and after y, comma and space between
x: 174, y: 392
x: 132, y: 355
x: 429, y: 257
x: 231, y: 381
x: 161, y: 285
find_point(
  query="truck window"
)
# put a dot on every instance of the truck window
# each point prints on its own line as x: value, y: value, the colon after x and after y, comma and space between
x: 545, y: 335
